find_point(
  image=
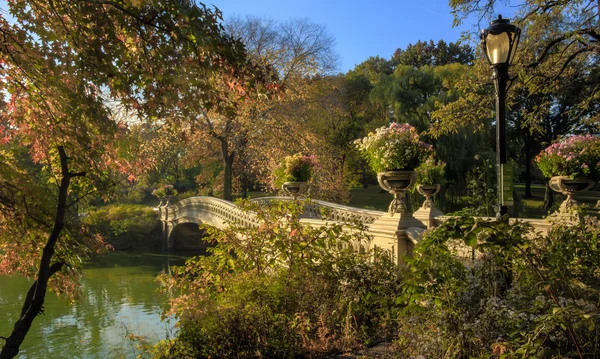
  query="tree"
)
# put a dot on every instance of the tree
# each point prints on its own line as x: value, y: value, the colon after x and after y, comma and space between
x: 295, y: 51
x: 555, y: 72
x: 372, y: 69
x: 431, y: 54
x: 61, y: 65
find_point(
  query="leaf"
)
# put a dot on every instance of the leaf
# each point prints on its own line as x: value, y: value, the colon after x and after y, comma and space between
x: 471, y: 239
x: 556, y: 310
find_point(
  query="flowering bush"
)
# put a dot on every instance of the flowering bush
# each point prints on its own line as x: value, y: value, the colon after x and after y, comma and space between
x: 295, y: 168
x: 431, y: 172
x: 396, y: 147
x: 575, y: 156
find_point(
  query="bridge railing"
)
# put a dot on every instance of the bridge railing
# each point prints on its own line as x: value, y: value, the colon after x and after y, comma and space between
x: 216, y: 210
x: 333, y: 211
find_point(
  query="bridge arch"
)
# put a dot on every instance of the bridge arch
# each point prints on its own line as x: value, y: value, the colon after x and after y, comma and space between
x: 186, y: 235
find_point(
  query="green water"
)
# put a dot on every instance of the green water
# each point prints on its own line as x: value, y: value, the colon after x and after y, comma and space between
x: 119, y: 298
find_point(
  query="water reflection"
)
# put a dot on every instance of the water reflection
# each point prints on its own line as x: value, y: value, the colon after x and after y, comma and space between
x: 119, y: 298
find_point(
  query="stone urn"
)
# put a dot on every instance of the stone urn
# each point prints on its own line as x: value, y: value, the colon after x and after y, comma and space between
x: 428, y: 191
x: 167, y: 200
x: 295, y: 189
x: 397, y: 183
x: 568, y: 187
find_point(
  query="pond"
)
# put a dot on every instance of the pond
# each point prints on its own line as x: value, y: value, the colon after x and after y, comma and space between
x: 119, y: 297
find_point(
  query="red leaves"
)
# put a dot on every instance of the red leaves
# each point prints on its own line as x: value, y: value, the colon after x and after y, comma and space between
x: 5, y: 135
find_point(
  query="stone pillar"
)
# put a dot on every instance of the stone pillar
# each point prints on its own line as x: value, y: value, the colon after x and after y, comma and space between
x: 427, y: 215
x: 392, y: 233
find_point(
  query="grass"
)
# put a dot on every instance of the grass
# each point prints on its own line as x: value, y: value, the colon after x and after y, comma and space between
x: 371, y: 198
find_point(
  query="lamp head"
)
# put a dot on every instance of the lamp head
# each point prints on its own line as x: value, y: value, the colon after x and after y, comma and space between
x: 500, y: 41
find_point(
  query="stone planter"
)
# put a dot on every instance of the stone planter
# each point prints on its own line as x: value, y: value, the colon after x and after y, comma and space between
x: 397, y: 183
x: 168, y: 199
x: 295, y: 189
x: 428, y: 191
x: 428, y: 212
x: 569, y: 187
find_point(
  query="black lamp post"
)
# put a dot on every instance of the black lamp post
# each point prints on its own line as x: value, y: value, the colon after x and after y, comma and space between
x: 500, y: 45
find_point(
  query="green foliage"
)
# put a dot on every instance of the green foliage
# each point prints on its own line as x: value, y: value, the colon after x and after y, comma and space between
x: 135, y: 195
x: 481, y: 186
x: 295, y: 168
x: 512, y: 293
x: 125, y: 226
x: 165, y: 190
x: 281, y: 289
x: 431, y: 172
x: 424, y: 53
x: 372, y: 69
x: 186, y: 194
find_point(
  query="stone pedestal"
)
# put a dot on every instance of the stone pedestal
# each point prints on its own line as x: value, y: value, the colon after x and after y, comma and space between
x: 427, y: 215
x: 396, y: 234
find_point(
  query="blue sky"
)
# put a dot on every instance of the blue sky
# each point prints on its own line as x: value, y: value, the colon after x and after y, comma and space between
x: 362, y: 28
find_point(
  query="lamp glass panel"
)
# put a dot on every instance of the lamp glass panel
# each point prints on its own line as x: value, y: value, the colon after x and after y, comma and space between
x: 513, y: 51
x: 498, y: 47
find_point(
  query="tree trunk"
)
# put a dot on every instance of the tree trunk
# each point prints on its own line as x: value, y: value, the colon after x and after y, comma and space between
x: 228, y: 170
x: 363, y: 175
x: 528, y: 193
x: 34, y: 300
x: 244, y: 185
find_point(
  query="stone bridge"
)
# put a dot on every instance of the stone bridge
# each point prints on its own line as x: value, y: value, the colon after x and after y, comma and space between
x: 396, y: 234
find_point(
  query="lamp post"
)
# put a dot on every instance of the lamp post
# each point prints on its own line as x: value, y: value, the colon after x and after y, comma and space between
x: 500, y: 42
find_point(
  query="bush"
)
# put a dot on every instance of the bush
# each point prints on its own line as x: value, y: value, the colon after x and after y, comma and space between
x: 186, y: 194
x: 284, y: 290
x: 126, y: 226
x: 525, y: 296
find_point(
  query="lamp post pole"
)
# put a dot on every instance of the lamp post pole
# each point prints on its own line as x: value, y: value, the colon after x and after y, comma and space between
x: 500, y: 80
x: 500, y: 42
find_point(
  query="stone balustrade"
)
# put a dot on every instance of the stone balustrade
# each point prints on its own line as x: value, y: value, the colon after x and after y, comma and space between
x: 395, y: 234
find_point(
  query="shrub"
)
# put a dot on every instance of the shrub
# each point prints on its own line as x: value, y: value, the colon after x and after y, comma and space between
x: 165, y: 190
x: 281, y: 289
x: 187, y: 194
x: 126, y: 226
x: 524, y: 296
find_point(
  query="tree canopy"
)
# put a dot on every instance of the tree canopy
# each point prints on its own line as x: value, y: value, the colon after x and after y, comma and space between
x: 66, y: 68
